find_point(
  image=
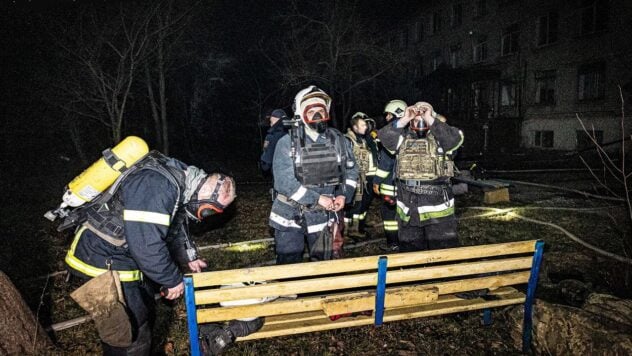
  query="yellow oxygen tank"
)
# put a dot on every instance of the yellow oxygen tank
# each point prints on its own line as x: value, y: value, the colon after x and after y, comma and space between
x: 101, y: 174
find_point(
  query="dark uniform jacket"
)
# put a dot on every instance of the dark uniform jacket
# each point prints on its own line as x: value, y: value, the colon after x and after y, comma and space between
x: 153, y: 241
x: 275, y: 132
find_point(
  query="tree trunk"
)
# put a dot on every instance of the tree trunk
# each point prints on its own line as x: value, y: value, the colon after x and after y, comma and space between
x: 20, y: 332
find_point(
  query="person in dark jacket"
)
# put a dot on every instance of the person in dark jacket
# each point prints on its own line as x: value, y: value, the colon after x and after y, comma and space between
x: 423, y: 144
x: 140, y: 232
x: 275, y: 132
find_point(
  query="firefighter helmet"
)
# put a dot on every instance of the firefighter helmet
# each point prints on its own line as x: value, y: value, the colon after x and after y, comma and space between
x: 396, y: 107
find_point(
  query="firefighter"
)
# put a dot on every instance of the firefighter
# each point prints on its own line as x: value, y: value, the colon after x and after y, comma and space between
x: 314, y: 175
x: 139, y: 229
x: 365, y: 153
x: 423, y: 144
x: 383, y: 184
x: 275, y: 132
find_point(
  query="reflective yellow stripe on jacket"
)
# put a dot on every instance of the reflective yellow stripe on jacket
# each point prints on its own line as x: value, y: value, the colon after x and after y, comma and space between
x: 77, y: 264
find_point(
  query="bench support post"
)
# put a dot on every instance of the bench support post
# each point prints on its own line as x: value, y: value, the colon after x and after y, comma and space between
x: 381, y: 290
x: 189, y: 300
x: 528, y: 304
x: 487, y: 317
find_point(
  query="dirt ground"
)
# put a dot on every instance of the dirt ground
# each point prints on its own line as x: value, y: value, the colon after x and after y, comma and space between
x: 456, y: 334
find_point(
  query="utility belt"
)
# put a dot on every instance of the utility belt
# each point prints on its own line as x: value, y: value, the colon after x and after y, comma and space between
x: 91, y: 271
x: 422, y: 187
x: 286, y: 200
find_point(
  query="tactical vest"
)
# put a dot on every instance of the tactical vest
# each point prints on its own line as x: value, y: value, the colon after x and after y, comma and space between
x: 364, y: 160
x: 420, y: 159
x: 319, y: 164
x: 104, y: 216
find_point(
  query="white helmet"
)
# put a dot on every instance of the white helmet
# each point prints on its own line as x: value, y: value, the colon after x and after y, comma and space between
x: 396, y: 107
x: 308, y: 98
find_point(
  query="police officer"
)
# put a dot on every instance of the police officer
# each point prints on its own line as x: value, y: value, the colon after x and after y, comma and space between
x: 138, y: 229
x: 275, y: 132
x: 365, y: 152
x: 314, y: 175
x: 383, y: 183
x: 424, y: 145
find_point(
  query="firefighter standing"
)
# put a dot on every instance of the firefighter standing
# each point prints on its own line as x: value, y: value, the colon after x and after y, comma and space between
x: 139, y: 231
x: 365, y: 153
x: 384, y: 184
x: 314, y: 175
x: 275, y: 132
x: 424, y: 145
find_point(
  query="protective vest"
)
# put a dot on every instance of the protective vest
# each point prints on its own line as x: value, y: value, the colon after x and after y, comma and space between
x: 104, y: 216
x: 319, y: 164
x: 420, y: 159
x: 364, y: 159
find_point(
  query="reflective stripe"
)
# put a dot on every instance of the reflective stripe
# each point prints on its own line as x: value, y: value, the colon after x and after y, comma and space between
x: 458, y: 144
x: 402, y: 215
x: 382, y: 173
x: 362, y: 216
x: 348, y: 220
x: 77, y: 264
x: 299, y: 193
x: 146, y: 217
x: 283, y: 221
x: 390, y: 225
x: 351, y: 183
x: 435, y: 208
x: 316, y: 228
x: 400, y: 141
x: 386, y: 189
x: 436, y: 214
x: 402, y: 206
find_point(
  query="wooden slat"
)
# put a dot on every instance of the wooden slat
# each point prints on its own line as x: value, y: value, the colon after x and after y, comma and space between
x: 314, y: 321
x: 207, y: 279
x: 360, y: 280
x: 394, y: 298
x: 495, y: 283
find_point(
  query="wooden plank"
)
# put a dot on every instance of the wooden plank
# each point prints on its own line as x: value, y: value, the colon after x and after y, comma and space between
x: 496, y: 283
x: 445, y: 305
x: 395, y: 298
x: 500, y: 195
x: 207, y: 279
x: 360, y: 280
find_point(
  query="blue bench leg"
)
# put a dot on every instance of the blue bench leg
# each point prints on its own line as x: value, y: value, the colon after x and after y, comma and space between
x: 487, y: 317
x: 528, y: 304
x: 381, y: 290
x: 189, y: 300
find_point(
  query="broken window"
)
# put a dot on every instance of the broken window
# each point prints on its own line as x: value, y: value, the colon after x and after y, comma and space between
x: 510, y: 40
x: 547, y: 29
x: 455, y: 53
x: 543, y: 139
x: 584, y: 141
x: 593, y: 16
x: 456, y: 17
x: 590, y: 81
x: 436, y: 22
x: 507, y: 94
x: 480, y: 49
x: 545, y: 87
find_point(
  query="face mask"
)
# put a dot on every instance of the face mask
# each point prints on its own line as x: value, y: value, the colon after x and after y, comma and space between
x: 319, y: 125
x: 198, y: 209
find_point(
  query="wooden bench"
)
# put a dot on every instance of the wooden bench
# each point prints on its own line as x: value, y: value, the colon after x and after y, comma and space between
x: 394, y: 287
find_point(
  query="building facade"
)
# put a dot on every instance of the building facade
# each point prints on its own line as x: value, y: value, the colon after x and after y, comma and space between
x: 519, y: 73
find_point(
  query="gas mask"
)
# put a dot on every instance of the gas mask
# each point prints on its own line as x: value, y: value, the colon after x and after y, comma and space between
x: 418, y: 125
x: 198, y: 209
x: 317, y: 123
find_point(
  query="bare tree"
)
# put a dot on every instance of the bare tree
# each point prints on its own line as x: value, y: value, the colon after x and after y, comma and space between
x: 332, y: 45
x: 615, y: 176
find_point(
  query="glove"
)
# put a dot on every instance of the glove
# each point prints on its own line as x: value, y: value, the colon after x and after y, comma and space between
x: 376, y: 189
x: 389, y: 199
x: 215, y: 339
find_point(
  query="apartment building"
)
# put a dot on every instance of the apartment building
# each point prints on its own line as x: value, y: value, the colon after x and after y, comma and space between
x: 517, y: 73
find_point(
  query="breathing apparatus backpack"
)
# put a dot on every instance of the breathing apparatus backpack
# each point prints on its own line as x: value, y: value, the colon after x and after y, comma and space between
x: 97, y: 178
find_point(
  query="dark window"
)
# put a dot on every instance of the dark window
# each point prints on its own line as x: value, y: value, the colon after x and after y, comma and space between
x: 437, y: 59
x: 543, y: 139
x: 593, y: 16
x: 507, y: 94
x: 456, y: 18
x: 455, y: 54
x: 510, y: 40
x: 583, y: 141
x: 547, y: 29
x: 481, y: 8
x: 480, y: 49
x: 545, y: 87
x: 436, y: 22
x: 591, y: 81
